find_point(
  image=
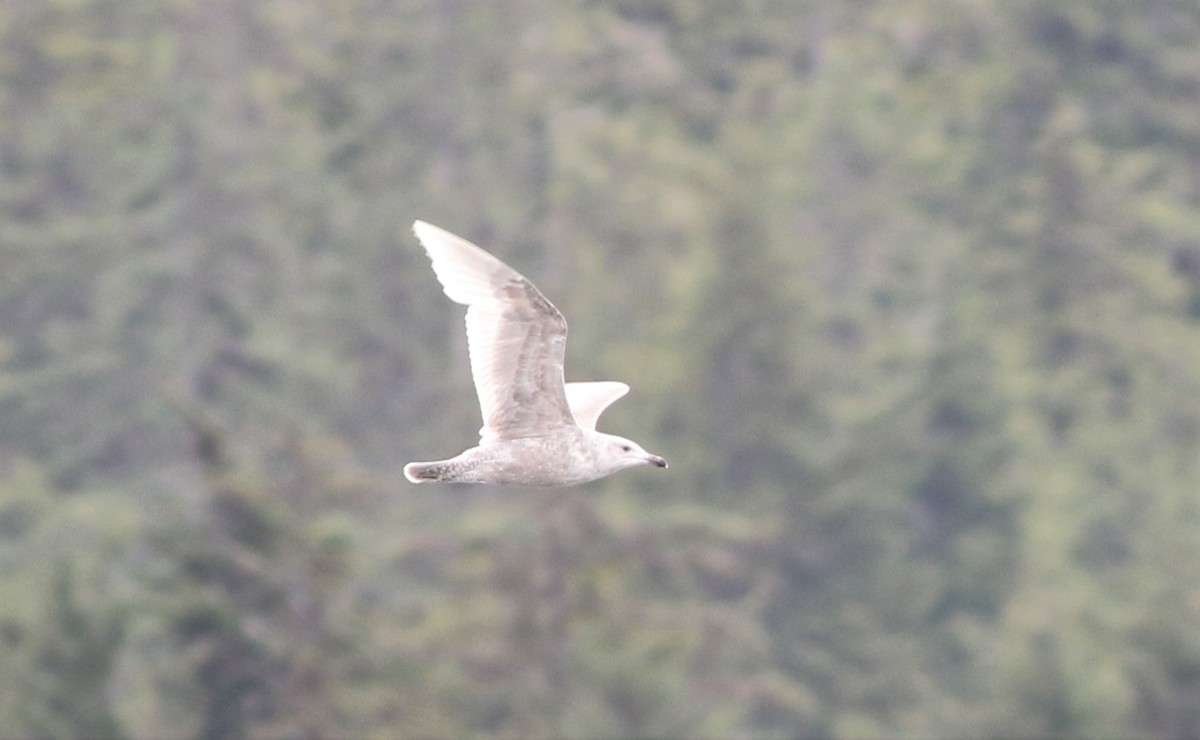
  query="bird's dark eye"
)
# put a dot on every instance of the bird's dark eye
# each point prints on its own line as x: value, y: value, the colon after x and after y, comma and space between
x: 626, y: 448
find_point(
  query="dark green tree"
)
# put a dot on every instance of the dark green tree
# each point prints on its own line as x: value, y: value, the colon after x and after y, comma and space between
x: 65, y: 684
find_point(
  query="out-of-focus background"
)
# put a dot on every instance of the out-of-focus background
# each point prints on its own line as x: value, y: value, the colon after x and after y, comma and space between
x: 908, y: 292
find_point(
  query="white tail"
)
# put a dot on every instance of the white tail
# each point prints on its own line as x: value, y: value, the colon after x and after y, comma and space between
x: 421, y: 472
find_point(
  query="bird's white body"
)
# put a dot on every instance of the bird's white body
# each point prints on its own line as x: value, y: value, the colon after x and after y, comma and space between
x: 537, y: 429
x: 573, y: 456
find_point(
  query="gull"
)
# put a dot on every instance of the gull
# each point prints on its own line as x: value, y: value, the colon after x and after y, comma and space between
x: 537, y: 429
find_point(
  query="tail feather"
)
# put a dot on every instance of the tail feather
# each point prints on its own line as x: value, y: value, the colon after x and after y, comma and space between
x: 418, y: 472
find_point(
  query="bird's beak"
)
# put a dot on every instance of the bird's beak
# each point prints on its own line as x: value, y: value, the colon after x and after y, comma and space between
x: 656, y: 461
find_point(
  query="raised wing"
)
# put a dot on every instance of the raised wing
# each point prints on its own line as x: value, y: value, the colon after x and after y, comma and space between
x: 588, y: 400
x: 516, y: 338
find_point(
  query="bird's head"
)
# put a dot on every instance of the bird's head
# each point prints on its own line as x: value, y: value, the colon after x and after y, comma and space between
x: 617, y: 453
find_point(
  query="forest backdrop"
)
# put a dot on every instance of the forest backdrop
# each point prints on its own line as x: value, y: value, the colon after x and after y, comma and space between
x: 908, y: 292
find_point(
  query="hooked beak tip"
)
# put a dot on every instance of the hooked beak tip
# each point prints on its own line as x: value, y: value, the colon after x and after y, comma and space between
x: 657, y: 461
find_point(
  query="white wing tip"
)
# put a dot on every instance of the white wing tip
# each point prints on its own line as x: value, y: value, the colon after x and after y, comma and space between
x: 422, y: 226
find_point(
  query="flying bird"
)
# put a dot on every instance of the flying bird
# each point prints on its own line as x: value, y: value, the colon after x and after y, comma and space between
x: 537, y: 429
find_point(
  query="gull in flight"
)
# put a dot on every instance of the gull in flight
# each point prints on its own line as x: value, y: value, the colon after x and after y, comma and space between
x: 537, y: 429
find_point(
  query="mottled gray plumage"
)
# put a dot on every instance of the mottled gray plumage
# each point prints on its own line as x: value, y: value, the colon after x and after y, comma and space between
x: 537, y: 429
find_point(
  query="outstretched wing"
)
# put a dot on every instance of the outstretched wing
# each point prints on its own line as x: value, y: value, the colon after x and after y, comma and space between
x: 516, y: 338
x: 588, y: 400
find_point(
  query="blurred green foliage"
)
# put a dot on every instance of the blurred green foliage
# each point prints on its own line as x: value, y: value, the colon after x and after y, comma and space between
x: 908, y: 292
